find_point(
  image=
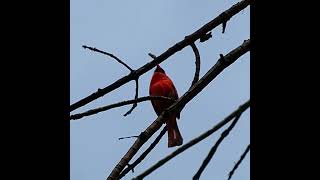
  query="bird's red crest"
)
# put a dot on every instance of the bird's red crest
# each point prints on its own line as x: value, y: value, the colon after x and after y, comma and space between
x: 159, y: 69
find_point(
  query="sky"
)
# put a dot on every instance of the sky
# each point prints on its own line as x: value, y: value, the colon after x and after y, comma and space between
x: 130, y: 30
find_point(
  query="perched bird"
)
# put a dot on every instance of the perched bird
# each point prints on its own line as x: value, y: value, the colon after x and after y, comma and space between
x: 161, y: 85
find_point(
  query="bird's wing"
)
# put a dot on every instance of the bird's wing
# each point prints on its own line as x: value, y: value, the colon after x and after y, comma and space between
x: 173, y: 94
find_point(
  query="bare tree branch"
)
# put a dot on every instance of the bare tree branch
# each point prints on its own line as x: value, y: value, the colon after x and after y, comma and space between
x: 181, y: 102
x: 135, y: 98
x: 119, y: 104
x: 197, y: 62
x: 240, y: 160
x: 128, y: 137
x: 172, y: 50
x: 196, y: 140
x: 144, y: 154
x: 108, y: 54
x: 213, y: 150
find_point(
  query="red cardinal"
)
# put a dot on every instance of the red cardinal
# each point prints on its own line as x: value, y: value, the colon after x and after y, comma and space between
x: 161, y: 85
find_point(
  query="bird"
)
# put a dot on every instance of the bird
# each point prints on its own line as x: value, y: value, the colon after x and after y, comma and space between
x: 162, y: 85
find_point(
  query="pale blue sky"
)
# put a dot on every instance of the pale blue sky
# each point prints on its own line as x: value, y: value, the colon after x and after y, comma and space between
x: 130, y: 30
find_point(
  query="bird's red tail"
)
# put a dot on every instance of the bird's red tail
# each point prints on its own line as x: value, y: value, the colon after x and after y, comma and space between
x: 174, y: 136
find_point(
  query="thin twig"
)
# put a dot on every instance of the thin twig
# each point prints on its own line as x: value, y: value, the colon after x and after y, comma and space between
x: 172, y: 50
x: 197, y: 62
x: 176, y: 106
x: 135, y: 98
x: 144, y: 154
x: 239, y: 161
x: 152, y: 55
x: 196, y: 140
x: 119, y: 104
x: 128, y: 137
x: 213, y: 150
x: 108, y: 54
x: 224, y: 24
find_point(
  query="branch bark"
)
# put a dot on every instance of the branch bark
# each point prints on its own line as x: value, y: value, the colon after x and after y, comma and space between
x: 226, y: 15
x: 180, y: 103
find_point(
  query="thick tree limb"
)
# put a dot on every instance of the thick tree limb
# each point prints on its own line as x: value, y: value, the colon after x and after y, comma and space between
x: 108, y: 54
x: 181, y: 102
x: 213, y: 150
x: 196, y: 140
x: 144, y: 154
x: 119, y: 104
x: 172, y: 50
x: 240, y: 160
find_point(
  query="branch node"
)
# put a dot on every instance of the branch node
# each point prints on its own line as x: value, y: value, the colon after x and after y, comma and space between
x: 131, y: 167
x: 222, y: 59
x: 131, y: 109
x: 152, y: 55
x: 134, y: 74
x: 206, y: 37
x: 143, y: 136
x: 224, y: 23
